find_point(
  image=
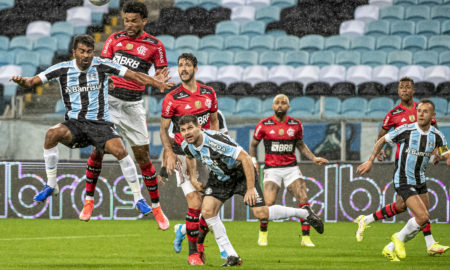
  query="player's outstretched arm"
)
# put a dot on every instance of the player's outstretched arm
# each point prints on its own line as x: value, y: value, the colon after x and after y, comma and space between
x: 191, y: 165
x: 214, y: 121
x: 303, y: 148
x: 170, y: 159
x: 381, y: 154
x: 26, y: 81
x: 249, y: 171
x: 366, y: 166
x: 253, y: 150
x: 160, y: 81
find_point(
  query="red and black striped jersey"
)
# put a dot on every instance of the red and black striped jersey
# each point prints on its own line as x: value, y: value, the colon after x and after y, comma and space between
x: 280, y: 140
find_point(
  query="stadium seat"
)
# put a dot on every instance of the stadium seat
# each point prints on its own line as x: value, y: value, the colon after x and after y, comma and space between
x: 241, y: 89
x: 10, y: 90
x: 306, y: 74
x: 187, y: 42
x: 366, y: 13
x: 414, y: 43
x: 373, y: 58
x: 443, y: 90
x: 168, y: 41
x: 172, y: 58
x: 219, y: 14
x: 262, y: 43
x: 4, y: 43
x: 283, y: 3
x: 429, y: 2
x: 271, y: 58
x: 426, y: 58
x: 206, y: 73
x: 439, y: 43
x: 232, y: 3
x: 6, y: 58
x: 20, y: 43
x: 311, y: 43
x: 253, y: 28
x: 185, y: 4
x: 445, y: 27
x: 237, y: 43
x: 152, y: 106
x: 389, y: 43
x: 266, y: 107
x: 296, y: 58
x: 381, y: 3
x: 440, y: 13
x: 243, y: 14
x: 354, y: 107
x: 46, y: 43
x: 332, y: 74
x: 370, y: 89
x: 402, y: 28
x: 79, y: 16
x: 219, y: 87
x: 220, y: 58
x: 38, y: 29
x: 348, y: 58
x: 424, y: 89
x: 7, y: 71
x: 211, y: 43
x: 258, y: 3
x: 417, y: 12
x: 230, y: 74
x: 440, y: 105
x: 377, y: 28
x: 248, y: 107
x: 175, y: 76
x: 363, y: 43
x: 5, y: 4
x: 62, y: 27
x: 291, y: 89
x: 245, y: 58
x: 332, y: 107
x: 337, y: 43
x: 392, y: 13
x: 399, y: 58
x: 264, y: 89
x: 385, y: 74
x: 209, y: 4
x: 268, y: 14
x: 281, y: 74
x: 415, y: 72
x: 45, y: 58
x: 63, y: 42
x: 227, y: 105
x: 322, y: 58
x: 378, y: 107
x: 405, y: 2
x: 342, y: 89
x: 444, y: 58
x: 359, y: 74
x: 427, y: 27
x: 255, y: 74
x: 302, y: 107
x: 28, y: 70
x: 436, y: 74
x: 287, y: 43
x: 227, y: 28
x: 352, y: 28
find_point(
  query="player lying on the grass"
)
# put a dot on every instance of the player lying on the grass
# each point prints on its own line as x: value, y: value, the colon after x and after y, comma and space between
x: 282, y: 134
x: 84, y: 89
x: 417, y: 143
x: 232, y: 172
x: 404, y: 113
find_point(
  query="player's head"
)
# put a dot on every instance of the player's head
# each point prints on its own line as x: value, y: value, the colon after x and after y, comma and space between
x: 280, y: 105
x: 134, y: 15
x: 190, y: 129
x: 187, y: 66
x: 425, y: 112
x: 406, y: 89
x: 83, y: 50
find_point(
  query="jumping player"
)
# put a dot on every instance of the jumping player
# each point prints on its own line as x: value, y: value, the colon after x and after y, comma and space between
x: 84, y: 89
x: 136, y: 50
x: 282, y: 134
x: 417, y: 143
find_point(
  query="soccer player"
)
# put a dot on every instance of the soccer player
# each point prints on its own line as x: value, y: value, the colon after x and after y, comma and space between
x: 417, y: 143
x: 200, y: 100
x: 232, y: 172
x: 84, y: 89
x: 282, y: 134
x: 136, y: 50
x: 404, y: 113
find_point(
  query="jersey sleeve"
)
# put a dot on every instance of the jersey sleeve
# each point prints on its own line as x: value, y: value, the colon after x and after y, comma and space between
x: 397, y: 135
x: 259, y: 132
x: 111, y: 68
x: 387, y: 122
x: 167, y: 108
x: 441, y: 145
x: 159, y: 57
x: 108, y: 51
x: 214, y: 103
x: 185, y: 147
x: 222, y: 122
x: 300, y: 131
x: 51, y: 73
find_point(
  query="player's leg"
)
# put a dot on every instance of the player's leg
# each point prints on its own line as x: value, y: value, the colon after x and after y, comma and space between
x: 93, y: 169
x: 271, y: 186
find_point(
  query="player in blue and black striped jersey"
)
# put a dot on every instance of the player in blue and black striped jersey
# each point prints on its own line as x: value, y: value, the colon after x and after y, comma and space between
x: 417, y: 143
x: 232, y: 172
x: 84, y: 89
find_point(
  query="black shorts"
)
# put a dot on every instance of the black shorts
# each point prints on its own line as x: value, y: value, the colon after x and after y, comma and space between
x: 89, y: 132
x: 237, y: 184
x: 406, y: 191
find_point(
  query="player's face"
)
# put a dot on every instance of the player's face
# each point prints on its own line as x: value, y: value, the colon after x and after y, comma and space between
x: 280, y: 106
x: 405, y: 91
x: 186, y: 70
x: 425, y: 114
x: 83, y: 55
x: 191, y: 132
x: 134, y: 24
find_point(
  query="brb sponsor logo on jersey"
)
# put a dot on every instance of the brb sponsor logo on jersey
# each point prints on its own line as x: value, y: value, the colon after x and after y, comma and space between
x: 281, y: 147
x: 125, y: 61
x: 202, y: 120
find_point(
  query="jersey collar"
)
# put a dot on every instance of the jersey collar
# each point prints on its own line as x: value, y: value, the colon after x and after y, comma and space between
x: 78, y: 69
x: 421, y: 131
x: 201, y: 145
x: 275, y: 120
x: 189, y: 92
x: 403, y: 107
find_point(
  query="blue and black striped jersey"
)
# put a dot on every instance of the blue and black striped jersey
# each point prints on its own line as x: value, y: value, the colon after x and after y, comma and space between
x: 84, y: 92
x: 416, y: 148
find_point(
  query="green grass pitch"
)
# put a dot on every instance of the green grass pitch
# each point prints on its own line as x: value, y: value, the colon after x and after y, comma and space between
x: 72, y: 244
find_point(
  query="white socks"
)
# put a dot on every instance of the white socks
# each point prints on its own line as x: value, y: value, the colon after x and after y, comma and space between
x: 154, y: 205
x: 216, y: 225
x: 369, y: 219
x: 279, y: 212
x: 409, y: 231
x: 51, y: 162
x: 429, y: 240
x: 90, y: 198
x: 130, y: 173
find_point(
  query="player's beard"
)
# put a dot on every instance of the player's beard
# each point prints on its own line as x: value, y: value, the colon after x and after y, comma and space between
x: 189, y: 78
x: 280, y: 114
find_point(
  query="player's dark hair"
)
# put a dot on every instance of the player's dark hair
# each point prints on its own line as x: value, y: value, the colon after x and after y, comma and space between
x: 136, y: 7
x: 407, y: 79
x: 84, y: 39
x: 190, y: 57
x: 427, y: 101
x: 186, y: 119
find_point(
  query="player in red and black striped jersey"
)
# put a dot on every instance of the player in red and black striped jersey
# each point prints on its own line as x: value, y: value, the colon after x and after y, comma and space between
x: 404, y: 113
x: 282, y: 134
x: 138, y: 51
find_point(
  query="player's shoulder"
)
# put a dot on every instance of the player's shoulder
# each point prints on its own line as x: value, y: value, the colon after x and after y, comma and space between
x: 437, y: 132
x: 151, y: 39
x: 205, y: 89
x: 118, y: 35
x: 396, y: 110
x: 267, y: 121
x: 177, y: 93
x: 406, y: 127
x: 292, y: 121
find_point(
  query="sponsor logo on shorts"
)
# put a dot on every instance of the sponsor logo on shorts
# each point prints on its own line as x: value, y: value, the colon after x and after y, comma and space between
x: 281, y: 147
x: 208, y: 191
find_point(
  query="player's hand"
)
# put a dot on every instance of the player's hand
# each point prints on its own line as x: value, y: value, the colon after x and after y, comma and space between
x: 320, y: 161
x: 436, y: 157
x: 19, y: 80
x: 162, y: 76
x: 171, y: 163
x: 364, y: 168
x: 198, y: 186
x: 163, y: 177
x: 250, y: 197
x: 381, y: 155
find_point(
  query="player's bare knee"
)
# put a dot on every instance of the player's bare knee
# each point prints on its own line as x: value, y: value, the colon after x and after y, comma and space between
x: 53, y: 135
x: 269, y: 201
x: 120, y: 153
x: 208, y: 212
x: 422, y: 218
x: 261, y: 212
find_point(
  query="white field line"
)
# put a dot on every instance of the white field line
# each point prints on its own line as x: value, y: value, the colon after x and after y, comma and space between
x: 69, y: 237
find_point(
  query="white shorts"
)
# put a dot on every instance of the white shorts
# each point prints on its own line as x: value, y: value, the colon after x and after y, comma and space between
x: 183, y: 178
x: 131, y: 120
x: 286, y: 174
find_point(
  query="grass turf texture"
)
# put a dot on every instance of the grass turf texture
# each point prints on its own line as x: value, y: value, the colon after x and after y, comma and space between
x: 72, y: 244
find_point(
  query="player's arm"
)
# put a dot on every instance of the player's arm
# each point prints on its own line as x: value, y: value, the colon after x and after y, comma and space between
x: 26, y: 81
x: 303, y: 148
x: 214, y: 121
x: 249, y: 171
x: 170, y: 157
x: 381, y: 154
x: 366, y: 166
x: 253, y: 150
x: 160, y: 81
x: 191, y: 165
